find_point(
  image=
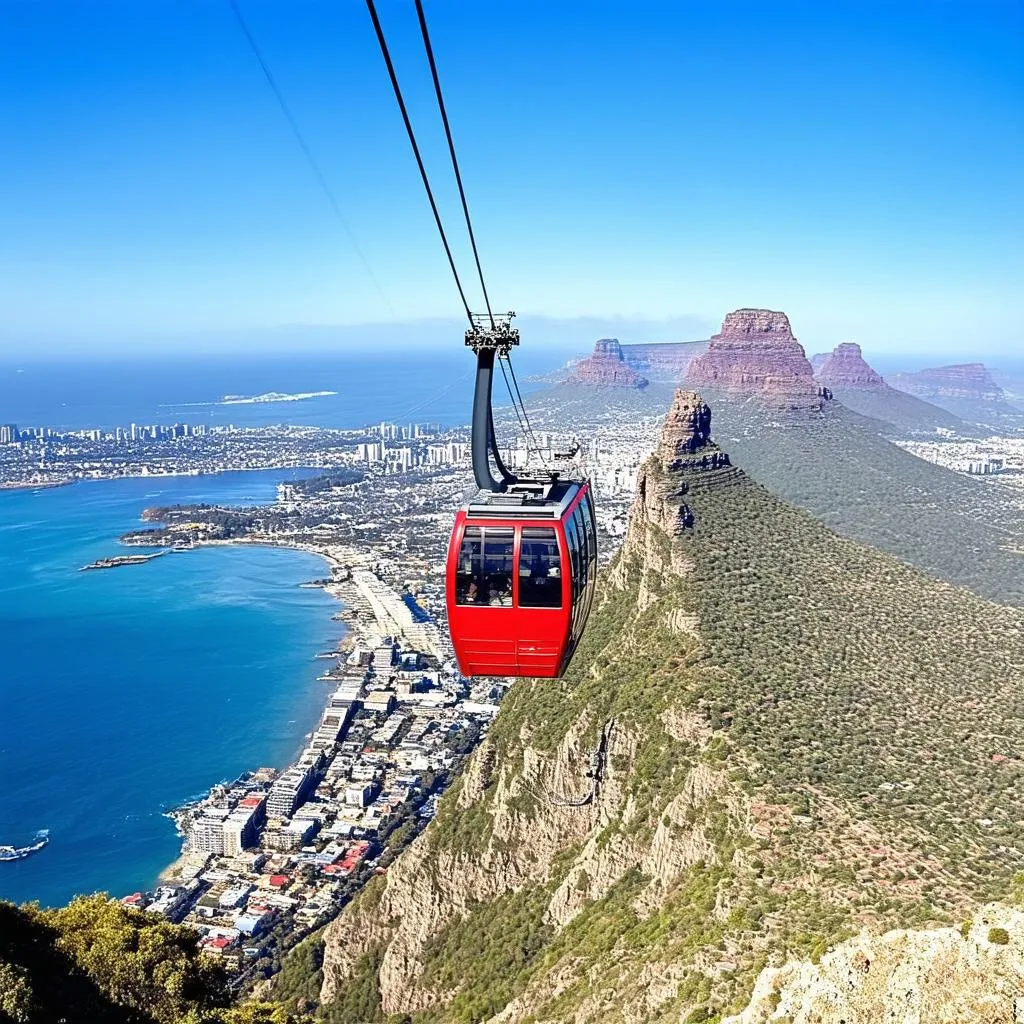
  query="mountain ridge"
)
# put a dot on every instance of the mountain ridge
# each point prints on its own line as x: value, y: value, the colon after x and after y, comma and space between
x: 761, y: 789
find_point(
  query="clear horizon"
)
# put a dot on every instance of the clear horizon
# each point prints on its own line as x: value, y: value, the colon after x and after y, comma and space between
x: 854, y: 164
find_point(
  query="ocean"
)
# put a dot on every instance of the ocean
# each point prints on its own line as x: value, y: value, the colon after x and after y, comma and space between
x: 124, y: 692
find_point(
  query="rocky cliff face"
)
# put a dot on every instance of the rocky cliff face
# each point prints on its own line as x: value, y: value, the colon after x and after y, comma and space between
x: 755, y: 353
x: 699, y: 798
x: 846, y: 368
x: 606, y: 368
x: 970, y: 381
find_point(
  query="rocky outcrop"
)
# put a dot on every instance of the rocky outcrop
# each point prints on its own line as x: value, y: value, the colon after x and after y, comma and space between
x: 936, y: 976
x: 846, y: 367
x: 685, y: 446
x: 606, y: 368
x: 665, y: 361
x: 755, y: 353
x: 970, y: 381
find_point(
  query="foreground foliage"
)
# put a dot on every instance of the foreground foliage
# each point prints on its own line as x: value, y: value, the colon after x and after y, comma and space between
x: 100, y: 962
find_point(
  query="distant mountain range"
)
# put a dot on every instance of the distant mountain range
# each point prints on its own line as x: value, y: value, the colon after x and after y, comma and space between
x: 756, y: 352
x: 821, y: 442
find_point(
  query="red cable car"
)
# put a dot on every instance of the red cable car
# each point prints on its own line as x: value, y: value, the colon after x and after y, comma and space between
x: 522, y: 562
x: 520, y: 578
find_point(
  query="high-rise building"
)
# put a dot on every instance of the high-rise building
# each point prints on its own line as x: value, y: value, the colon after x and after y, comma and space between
x: 290, y: 790
x: 8, y: 433
x: 207, y: 832
x: 241, y: 828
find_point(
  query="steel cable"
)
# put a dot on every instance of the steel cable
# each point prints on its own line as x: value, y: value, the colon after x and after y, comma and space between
x: 386, y: 54
x: 304, y: 146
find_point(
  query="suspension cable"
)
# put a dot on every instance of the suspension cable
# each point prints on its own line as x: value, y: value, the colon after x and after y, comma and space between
x: 304, y: 146
x: 416, y: 151
x: 522, y: 405
x: 451, y: 149
x: 515, y: 408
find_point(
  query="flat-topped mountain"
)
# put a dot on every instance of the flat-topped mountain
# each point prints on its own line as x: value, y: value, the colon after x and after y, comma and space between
x: 851, y: 380
x: 968, y: 390
x: 665, y: 360
x: 845, y: 367
x: 964, y: 380
x: 606, y: 368
x: 755, y: 353
x: 770, y: 738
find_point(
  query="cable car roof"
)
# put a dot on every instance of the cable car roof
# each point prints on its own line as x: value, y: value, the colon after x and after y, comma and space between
x: 539, y: 499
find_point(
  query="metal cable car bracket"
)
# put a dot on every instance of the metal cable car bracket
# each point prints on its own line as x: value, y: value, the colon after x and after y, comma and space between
x: 490, y: 336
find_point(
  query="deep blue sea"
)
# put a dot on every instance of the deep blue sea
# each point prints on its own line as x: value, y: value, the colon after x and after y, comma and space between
x: 126, y: 691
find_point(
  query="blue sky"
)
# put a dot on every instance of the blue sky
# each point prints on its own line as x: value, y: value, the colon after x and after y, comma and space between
x: 857, y: 164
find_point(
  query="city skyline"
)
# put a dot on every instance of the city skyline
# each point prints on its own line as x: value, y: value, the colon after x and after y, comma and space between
x: 853, y: 166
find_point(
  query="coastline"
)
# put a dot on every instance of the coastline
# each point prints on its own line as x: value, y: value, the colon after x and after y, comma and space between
x: 25, y: 485
x: 370, y: 612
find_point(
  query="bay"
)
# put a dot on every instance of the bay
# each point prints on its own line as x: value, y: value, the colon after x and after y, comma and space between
x: 126, y: 691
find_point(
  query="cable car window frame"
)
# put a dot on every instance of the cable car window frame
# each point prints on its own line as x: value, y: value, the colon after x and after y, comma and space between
x: 580, y: 578
x: 500, y: 535
x: 572, y: 541
x: 591, y: 531
x: 547, y: 535
x: 476, y: 540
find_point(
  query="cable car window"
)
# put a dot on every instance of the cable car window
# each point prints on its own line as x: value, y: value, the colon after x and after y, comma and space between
x: 498, y: 545
x: 469, y: 572
x: 540, y: 569
x: 588, y: 525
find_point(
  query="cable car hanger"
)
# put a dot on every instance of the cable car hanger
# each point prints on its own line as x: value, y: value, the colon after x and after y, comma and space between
x: 522, y: 560
x: 489, y: 336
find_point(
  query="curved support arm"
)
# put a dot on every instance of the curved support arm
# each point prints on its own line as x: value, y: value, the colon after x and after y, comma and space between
x: 483, y: 441
x: 508, y: 477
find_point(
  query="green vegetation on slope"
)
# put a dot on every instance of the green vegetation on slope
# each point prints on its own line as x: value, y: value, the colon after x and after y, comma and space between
x: 900, y: 413
x: 98, y: 961
x: 968, y: 531
x: 857, y: 724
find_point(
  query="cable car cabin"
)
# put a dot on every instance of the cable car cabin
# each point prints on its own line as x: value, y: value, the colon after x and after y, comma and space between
x: 520, y: 578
